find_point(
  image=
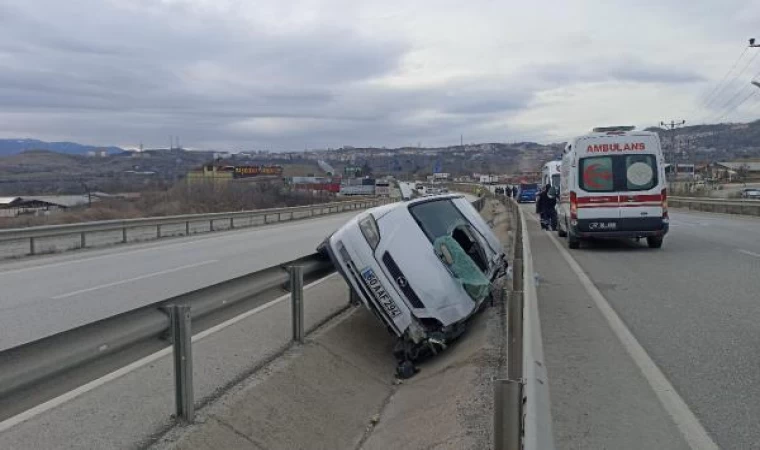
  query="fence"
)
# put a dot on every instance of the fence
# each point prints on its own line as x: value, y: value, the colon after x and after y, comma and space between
x: 232, y: 219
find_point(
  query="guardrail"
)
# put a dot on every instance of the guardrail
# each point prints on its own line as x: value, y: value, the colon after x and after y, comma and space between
x: 37, y: 363
x: 268, y: 216
x: 726, y: 206
x: 522, y: 412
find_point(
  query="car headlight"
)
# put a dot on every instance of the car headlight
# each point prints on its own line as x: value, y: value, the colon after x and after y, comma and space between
x: 371, y: 233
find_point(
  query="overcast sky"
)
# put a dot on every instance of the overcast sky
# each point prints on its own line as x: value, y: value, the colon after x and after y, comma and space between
x: 290, y: 74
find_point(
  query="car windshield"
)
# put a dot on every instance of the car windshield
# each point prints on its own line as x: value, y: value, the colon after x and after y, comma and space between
x: 437, y: 218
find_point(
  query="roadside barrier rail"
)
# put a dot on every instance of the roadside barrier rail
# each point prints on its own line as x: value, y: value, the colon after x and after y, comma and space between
x: 747, y: 207
x: 168, y: 322
x: 522, y: 412
x: 232, y: 219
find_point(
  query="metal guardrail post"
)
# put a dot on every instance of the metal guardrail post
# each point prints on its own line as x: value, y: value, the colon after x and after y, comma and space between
x: 82, y: 240
x: 296, y: 297
x: 507, y: 414
x: 32, y: 247
x: 232, y: 223
x: 515, y: 336
x: 124, y: 235
x: 279, y: 217
x: 158, y: 231
x: 211, y: 225
x: 183, y: 362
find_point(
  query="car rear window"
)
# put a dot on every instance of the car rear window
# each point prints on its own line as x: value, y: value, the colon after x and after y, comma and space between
x: 437, y: 218
x: 618, y: 173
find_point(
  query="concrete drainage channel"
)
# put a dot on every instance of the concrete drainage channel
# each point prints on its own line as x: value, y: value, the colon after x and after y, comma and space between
x: 337, y: 391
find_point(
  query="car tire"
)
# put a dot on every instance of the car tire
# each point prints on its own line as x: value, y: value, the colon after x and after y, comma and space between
x: 654, y: 241
x: 406, y: 370
x: 573, y: 242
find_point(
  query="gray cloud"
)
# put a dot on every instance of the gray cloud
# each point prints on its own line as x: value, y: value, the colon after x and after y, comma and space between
x: 118, y: 72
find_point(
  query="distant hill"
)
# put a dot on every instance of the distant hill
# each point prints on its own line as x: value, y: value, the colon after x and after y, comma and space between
x: 16, y: 146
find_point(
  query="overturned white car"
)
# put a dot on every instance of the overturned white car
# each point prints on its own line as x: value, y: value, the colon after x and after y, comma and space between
x: 423, y: 267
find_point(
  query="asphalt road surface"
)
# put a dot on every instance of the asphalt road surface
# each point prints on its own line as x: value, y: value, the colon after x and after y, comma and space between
x: 694, y: 306
x: 43, y: 296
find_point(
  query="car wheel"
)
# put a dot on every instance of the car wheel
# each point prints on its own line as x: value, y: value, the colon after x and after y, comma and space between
x: 406, y: 370
x: 560, y: 232
x: 654, y: 241
x: 573, y: 242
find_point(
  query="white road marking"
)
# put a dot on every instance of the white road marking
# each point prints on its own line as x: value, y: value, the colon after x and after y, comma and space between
x: 155, y: 246
x: 74, y: 393
x: 129, y: 280
x: 747, y: 252
x: 693, y: 432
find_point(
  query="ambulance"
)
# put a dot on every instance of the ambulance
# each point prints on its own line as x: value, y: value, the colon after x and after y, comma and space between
x: 550, y: 174
x: 612, y: 185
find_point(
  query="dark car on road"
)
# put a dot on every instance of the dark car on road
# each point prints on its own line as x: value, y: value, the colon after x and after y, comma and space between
x: 527, y: 192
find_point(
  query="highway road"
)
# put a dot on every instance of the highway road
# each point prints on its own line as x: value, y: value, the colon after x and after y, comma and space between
x: 694, y: 308
x: 43, y: 296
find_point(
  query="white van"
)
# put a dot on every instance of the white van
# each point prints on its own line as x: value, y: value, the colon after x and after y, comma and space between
x: 612, y: 185
x: 550, y: 174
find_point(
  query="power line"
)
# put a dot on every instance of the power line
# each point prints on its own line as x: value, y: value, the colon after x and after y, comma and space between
x: 737, y: 105
x: 744, y: 69
x: 727, y: 107
x: 706, y: 98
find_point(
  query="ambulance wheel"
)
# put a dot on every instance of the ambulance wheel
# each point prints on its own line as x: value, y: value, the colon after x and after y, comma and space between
x: 573, y: 242
x: 561, y: 232
x: 654, y: 241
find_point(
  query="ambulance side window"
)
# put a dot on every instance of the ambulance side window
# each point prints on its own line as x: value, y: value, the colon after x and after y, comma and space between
x: 640, y: 172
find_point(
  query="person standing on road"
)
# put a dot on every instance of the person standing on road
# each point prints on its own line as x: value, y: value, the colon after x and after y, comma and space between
x: 545, y: 205
x: 514, y: 191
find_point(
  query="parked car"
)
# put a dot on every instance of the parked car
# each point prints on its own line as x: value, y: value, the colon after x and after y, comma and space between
x: 423, y: 267
x: 751, y: 193
x: 527, y: 192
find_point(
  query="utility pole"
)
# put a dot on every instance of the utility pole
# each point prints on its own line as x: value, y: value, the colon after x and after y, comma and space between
x: 672, y: 127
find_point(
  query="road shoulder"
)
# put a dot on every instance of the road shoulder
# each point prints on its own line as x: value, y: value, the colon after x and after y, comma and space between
x: 600, y: 398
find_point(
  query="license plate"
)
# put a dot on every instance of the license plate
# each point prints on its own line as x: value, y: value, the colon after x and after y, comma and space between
x: 602, y: 226
x: 379, y: 292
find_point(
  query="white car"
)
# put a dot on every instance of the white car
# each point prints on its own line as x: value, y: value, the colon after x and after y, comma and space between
x: 752, y: 193
x: 423, y: 267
